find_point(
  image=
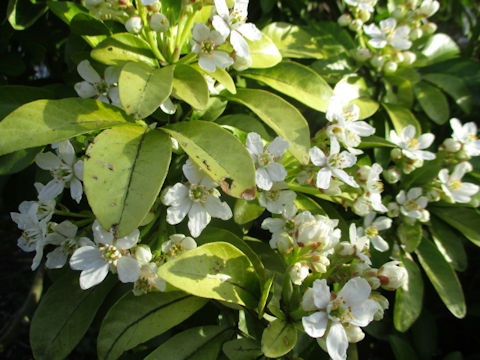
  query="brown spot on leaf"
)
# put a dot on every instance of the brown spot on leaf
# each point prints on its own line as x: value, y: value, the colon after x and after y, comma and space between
x: 286, y: 341
x: 226, y: 184
x: 95, y: 177
x: 249, y: 194
x: 107, y: 165
x: 206, y: 164
x: 110, y: 48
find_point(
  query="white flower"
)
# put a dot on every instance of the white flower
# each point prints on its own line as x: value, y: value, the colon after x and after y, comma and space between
x: 278, y: 199
x: 392, y: 276
x: 134, y: 24
x: 104, y: 89
x: 350, y: 307
x: 371, y: 228
x: 428, y: 8
x: 453, y: 187
x: 269, y: 169
x: 317, y: 231
x: 412, y: 203
x: 467, y: 136
x: 198, y: 198
x: 66, y: 172
x: 412, y: 147
x: 280, y: 225
x: 64, y: 236
x: 159, y: 22
x: 205, y: 42
x: 95, y: 261
x: 298, y: 272
x: 360, y: 244
x: 366, y: 5
x: 332, y: 164
x: 388, y: 34
x: 34, y: 231
x: 369, y: 177
x: 233, y: 23
x: 148, y: 278
x: 345, y: 125
x: 177, y: 244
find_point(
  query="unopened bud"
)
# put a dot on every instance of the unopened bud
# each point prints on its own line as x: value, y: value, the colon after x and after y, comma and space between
x: 429, y: 28
x: 345, y: 249
x: 398, y: 13
x: 409, y: 57
x: 377, y: 61
x: 398, y: 57
x: 416, y: 34
x: 390, y: 67
x: 392, y: 175
x: 364, y: 15
x: 433, y: 195
x: 361, y: 206
x: 412, y: 4
x: 284, y: 243
x: 362, y: 173
x: 428, y: 8
x: 452, y: 145
x: 396, y: 154
x: 355, y: 25
x: 354, y: 333
x: 362, y: 54
x: 344, y: 20
x: 393, y: 209
x: 134, y: 25
x: 392, y: 276
x: 382, y: 305
x: 155, y: 7
x: 425, y: 216
x: 298, y: 272
x: 159, y: 22
x: 319, y: 263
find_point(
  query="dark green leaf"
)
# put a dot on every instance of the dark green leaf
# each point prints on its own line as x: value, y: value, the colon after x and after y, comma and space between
x: 17, y: 161
x: 245, y: 211
x: 410, y: 235
x: 23, y: 13
x: 433, y: 102
x: 453, y: 86
x: 278, y: 338
x: 449, y: 243
x: 401, y: 348
x: 242, y: 349
x: 465, y: 220
x: 402, y: 117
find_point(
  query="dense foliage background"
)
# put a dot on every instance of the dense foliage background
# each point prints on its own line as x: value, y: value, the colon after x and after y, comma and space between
x: 43, y: 55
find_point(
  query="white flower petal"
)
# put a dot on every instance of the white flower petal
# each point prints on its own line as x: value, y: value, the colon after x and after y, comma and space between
x: 263, y: 179
x: 128, y: 241
x: 250, y: 31
x: 87, y: 72
x: 207, y: 62
x: 315, y: 324
x: 355, y: 291
x: 221, y: 26
x: 222, y: 59
x: 100, y: 235
x: 323, y: 178
x: 317, y: 156
x: 84, y: 89
x: 56, y: 259
x: 200, y: 32
x: 254, y: 143
x: 111, y: 74
x: 337, y: 342
x: 217, y: 208
x: 48, y: 161
x: 76, y: 190
x: 363, y: 312
x: 176, y: 213
x: 176, y: 194
x: 379, y: 244
x: 93, y: 276
x: 128, y: 269
x: 239, y: 44
x: 278, y: 147
x: 321, y: 293
x: 51, y: 190
x: 198, y: 219
x: 222, y: 8
x: 276, y: 171
x: 86, y: 257
x: 67, y: 229
x: 347, y: 179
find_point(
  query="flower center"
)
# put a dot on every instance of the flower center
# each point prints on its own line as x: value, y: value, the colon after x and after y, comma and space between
x: 208, y: 46
x: 455, y: 184
x: 411, y: 205
x: 273, y: 195
x: 101, y: 87
x: 336, y: 161
x: 109, y: 253
x: 413, y: 143
x: 371, y: 231
x: 142, y: 286
x: 340, y: 311
x: 198, y: 193
x: 266, y: 158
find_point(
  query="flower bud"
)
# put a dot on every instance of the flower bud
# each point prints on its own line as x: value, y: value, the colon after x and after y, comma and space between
x: 398, y: 57
x: 396, y: 154
x: 93, y: 3
x: 364, y: 15
x: 362, y: 54
x: 393, y: 210
x: 416, y: 34
x: 354, y: 333
x: 392, y: 175
x: 452, y: 145
x: 418, y: 163
x: 355, y: 25
x: 429, y: 28
x: 398, y: 13
x: 242, y: 63
x: 345, y: 249
x: 362, y: 173
x: 392, y: 276
x: 284, y: 243
x: 361, y: 206
x: 134, y: 25
x: 377, y: 61
x: 390, y: 67
x: 425, y: 216
x: 159, y: 22
x: 155, y: 7
x: 412, y: 4
x: 344, y: 20
x: 428, y: 8
x: 382, y: 305
x: 298, y: 272
x: 319, y: 263
x: 409, y: 57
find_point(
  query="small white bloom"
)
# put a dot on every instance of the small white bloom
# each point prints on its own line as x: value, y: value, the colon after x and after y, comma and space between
x: 392, y: 276
x: 351, y: 306
x: 148, y: 278
x: 367, y: 5
x: 267, y: 159
x: 198, y: 198
x: 412, y: 203
x: 104, y: 89
x: 280, y: 225
x: 134, y: 24
x: 360, y: 244
x: 177, y: 244
x: 298, y: 272
x: 278, y: 199
x: 452, y: 185
x: 317, y: 231
x: 388, y: 34
x: 412, y: 147
x: 95, y: 261
x: 65, y: 170
x: 159, y: 22
x: 372, y: 227
x: 232, y: 23
x: 428, y: 8
x: 205, y: 43
x: 369, y: 178
x: 466, y: 135
x: 332, y: 165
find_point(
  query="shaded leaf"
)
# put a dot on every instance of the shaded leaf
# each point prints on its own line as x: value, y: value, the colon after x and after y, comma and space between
x: 453, y: 86
x: 401, y: 117
x: 465, y: 220
x: 278, y: 338
x: 242, y: 349
x: 433, y: 102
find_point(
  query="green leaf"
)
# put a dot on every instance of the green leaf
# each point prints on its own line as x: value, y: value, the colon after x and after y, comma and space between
x: 124, y: 172
x: 443, y: 278
x: 245, y: 211
x: 43, y: 122
x: 281, y: 116
x: 221, y: 75
x: 402, y: 117
x: 306, y: 203
x: 143, y: 89
x: 215, y: 270
x: 453, y: 86
x: 367, y: 107
x: 401, y: 348
x: 13, y: 96
x: 409, y: 297
x: 133, y: 320
x: 190, y: 86
x: 333, y: 69
x: 465, y: 220
x: 246, y: 123
x: 264, y: 53
x: 410, y: 235
x: 15, y: 162
x: 86, y: 24
x: 199, y: 343
x: 424, y: 174
x: 267, y: 288
x: 278, y: 339
x: 440, y: 47
x: 242, y: 349
x: 352, y: 87
x: 295, y: 80
x: 449, y: 243
x: 23, y: 13
x: 375, y: 142
x: 433, y: 102
x: 219, y: 154
x: 122, y: 48
x: 293, y: 41
x: 64, y: 316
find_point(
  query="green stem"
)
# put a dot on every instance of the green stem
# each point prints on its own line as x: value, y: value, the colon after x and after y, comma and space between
x: 180, y: 40
x: 68, y: 213
x: 149, y: 34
